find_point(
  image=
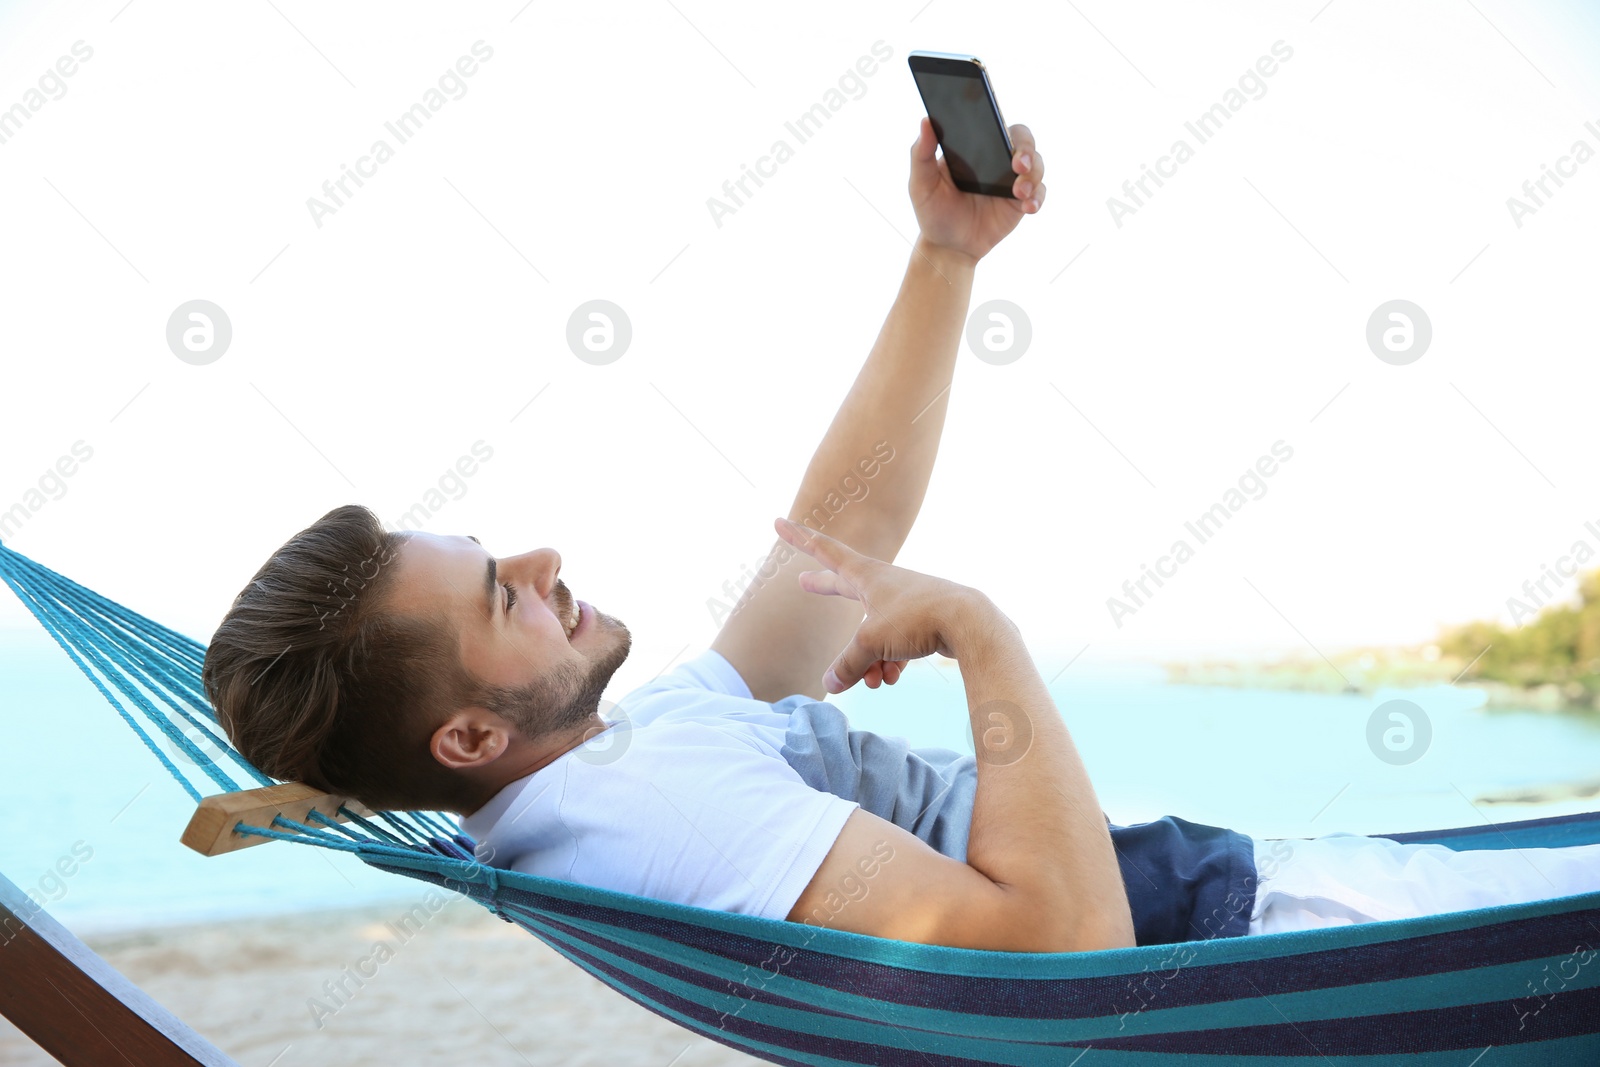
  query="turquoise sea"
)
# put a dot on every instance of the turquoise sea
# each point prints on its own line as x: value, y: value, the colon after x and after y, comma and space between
x: 93, y: 820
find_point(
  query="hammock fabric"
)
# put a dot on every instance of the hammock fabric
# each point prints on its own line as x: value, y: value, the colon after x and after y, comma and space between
x: 1518, y: 984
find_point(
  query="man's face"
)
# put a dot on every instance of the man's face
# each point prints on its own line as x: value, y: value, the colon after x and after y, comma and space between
x: 512, y: 614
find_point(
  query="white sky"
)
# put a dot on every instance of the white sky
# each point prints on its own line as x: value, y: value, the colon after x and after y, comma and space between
x: 422, y: 316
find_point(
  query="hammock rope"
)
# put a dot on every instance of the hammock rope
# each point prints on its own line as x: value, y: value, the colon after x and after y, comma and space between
x: 1522, y: 980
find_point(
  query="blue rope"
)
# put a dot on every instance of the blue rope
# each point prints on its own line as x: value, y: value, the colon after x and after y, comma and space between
x: 51, y: 628
x: 336, y: 825
x: 378, y: 832
x: 194, y: 649
x: 157, y: 672
x: 179, y: 688
x: 95, y: 647
x: 180, y: 675
x: 279, y: 835
x: 181, y: 669
x: 333, y: 824
x: 300, y: 827
x: 412, y: 834
x: 434, y: 823
x: 309, y: 835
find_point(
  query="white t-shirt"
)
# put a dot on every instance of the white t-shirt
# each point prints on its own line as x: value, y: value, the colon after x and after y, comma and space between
x: 686, y: 798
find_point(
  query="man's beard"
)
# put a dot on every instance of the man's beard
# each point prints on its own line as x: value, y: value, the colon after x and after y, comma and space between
x: 566, y: 698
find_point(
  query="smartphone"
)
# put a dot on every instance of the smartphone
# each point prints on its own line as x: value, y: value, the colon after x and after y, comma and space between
x: 966, y: 118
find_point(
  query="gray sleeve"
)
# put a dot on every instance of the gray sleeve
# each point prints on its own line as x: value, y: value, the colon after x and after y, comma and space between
x: 928, y: 791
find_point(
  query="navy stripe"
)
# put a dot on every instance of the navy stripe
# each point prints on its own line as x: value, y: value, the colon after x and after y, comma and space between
x: 725, y: 1028
x: 1090, y: 997
x: 1097, y: 996
x: 1551, y: 832
x: 690, y: 975
x: 1497, y: 1021
x: 1465, y: 1028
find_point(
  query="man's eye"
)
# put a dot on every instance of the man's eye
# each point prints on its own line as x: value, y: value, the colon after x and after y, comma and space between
x: 511, y: 595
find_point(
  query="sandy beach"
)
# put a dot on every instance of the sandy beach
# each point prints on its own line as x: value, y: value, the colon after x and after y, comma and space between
x: 466, y: 988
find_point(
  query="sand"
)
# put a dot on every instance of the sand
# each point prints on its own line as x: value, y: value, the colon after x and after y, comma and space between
x: 461, y: 988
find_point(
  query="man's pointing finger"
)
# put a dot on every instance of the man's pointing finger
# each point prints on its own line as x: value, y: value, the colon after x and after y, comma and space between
x: 816, y: 544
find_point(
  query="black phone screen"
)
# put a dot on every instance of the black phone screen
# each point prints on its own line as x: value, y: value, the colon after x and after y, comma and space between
x: 969, y: 131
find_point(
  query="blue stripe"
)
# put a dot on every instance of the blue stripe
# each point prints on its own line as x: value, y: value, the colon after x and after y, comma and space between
x: 1557, y: 831
x: 1505, y: 988
x: 1152, y: 1011
x: 1545, y: 932
x: 1410, y: 1038
x: 1568, y: 1014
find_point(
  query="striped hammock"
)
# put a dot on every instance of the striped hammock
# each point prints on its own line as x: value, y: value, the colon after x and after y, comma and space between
x: 1518, y: 984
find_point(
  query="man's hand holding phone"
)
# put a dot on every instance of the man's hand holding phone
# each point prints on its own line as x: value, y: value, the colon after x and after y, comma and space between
x: 972, y: 223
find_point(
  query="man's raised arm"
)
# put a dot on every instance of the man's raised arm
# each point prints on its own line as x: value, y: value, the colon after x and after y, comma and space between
x: 885, y: 436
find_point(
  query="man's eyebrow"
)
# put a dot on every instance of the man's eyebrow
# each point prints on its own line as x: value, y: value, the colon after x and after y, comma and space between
x: 490, y: 577
x: 489, y: 591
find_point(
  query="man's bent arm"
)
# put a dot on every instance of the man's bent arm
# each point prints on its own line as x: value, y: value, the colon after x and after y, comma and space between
x: 1037, y: 826
x: 778, y: 637
x: 1041, y: 874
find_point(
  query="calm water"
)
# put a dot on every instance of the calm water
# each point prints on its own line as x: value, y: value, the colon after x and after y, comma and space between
x: 73, y: 777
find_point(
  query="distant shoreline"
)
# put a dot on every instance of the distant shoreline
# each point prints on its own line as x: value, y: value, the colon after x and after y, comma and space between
x: 1364, y: 671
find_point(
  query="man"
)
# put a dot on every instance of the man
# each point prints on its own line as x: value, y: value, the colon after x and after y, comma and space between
x: 419, y: 671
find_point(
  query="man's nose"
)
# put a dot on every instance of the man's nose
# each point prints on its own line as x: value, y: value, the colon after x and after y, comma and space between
x: 538, y: 568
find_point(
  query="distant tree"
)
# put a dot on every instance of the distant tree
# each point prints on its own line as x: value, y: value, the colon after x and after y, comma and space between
x: 1561, y: 646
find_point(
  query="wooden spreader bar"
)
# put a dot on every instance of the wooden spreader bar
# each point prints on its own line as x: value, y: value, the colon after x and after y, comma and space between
x: 211, y: 829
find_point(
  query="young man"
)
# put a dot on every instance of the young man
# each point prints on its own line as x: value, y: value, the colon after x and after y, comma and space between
x: 419, y: 671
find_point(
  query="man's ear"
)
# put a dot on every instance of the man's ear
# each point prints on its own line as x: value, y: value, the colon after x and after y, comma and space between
x: 471, y: 738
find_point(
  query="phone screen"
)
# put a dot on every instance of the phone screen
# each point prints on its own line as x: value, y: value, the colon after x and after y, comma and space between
x: 969, y: 131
